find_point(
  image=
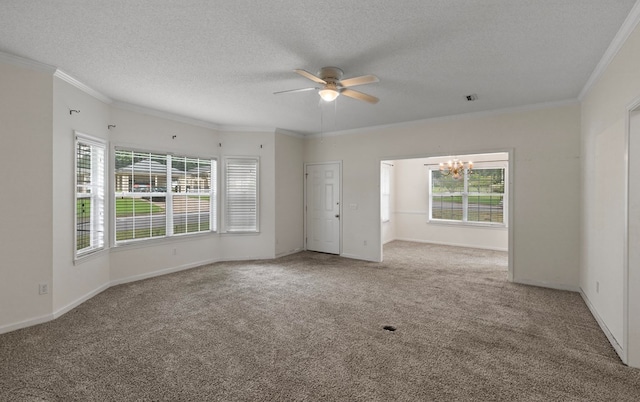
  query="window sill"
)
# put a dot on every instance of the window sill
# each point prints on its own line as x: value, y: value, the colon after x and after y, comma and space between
x: 81, y: 259
x: 160, y: 240
x: 477, y: 225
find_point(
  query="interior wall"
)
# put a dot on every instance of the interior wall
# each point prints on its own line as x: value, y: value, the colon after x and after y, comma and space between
x: 544, y: 141
x: 289, y: 194
x: 604, y: 114
x: 73, y: 282
x: 26, y: 229
x: 146, y: 132
x: 389, y: 228
x: 412, y: 212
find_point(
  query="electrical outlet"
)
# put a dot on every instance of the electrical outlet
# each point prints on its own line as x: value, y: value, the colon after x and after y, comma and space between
x: 364, y: 242
x: 43, y: 288
x: 175, y: 251
x: 597, y: 287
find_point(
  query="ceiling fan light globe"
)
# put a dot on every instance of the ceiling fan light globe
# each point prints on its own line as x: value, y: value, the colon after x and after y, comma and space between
x: 328, y: 95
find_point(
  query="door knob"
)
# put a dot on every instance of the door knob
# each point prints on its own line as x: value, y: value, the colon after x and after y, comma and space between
x: 338, y: 215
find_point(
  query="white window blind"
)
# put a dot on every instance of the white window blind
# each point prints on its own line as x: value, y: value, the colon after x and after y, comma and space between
x: 89, y: 200
x: 241, y: 195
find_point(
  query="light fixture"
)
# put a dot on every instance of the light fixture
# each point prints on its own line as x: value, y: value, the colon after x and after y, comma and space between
x: 329, y: 93
x: 455, y: 168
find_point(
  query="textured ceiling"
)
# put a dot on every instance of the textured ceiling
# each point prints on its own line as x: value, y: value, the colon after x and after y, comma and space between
x: 221, y: 61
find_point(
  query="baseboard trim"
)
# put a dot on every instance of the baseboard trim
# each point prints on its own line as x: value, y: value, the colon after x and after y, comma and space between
x: 290, y: 252
x: 451, y: 244
x: 161, y: 272
x: 550, y: 285
x: 80, y: 300
x: 612, y: 339
x: 356, y: 257
x: 58, y: 313
x: 26, y: 323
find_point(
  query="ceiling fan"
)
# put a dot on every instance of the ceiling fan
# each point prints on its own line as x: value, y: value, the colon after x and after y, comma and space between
x: 333, y: 85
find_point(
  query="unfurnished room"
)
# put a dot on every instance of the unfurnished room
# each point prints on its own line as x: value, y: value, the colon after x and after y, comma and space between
x: 320, y: 201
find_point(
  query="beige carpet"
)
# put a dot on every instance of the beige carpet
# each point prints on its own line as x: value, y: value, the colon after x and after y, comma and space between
x: 310, y: 327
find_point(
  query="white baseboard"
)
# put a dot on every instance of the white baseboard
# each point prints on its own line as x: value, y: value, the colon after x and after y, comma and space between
x: 26, y: 323
x: 80, y: 300
x: 286, y: 253
x: 612, y: 339
x: 165, y: 271
x: 550, y: 285
x: 58, y: 313
x: 357, y: 257
x: 451, y: 244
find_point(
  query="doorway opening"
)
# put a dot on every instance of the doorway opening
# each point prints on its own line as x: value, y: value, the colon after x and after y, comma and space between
x: 429, y: 200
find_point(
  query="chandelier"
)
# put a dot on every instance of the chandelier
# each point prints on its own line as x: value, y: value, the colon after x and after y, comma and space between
x: 455, y: 168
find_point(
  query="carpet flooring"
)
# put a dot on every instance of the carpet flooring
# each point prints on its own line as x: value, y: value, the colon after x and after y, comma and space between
x: 310, y: 326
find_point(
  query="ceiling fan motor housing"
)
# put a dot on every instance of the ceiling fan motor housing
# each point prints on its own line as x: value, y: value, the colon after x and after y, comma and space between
x: 330, y: 74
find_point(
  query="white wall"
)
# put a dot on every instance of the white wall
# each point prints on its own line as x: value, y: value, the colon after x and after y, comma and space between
x: 26, y: 195
x: 412, y: 212
x: 289, y: 194
x: 389, y: 228
x: 546, y: 149
x: 147, y: 132
x: 73, y: 282
x: 604, y: 114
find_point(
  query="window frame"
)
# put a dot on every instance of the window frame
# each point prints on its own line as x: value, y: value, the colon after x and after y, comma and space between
x: 225, y: 196
x: 465, y: 197
x: 98, y: 199
x: 168, y: 194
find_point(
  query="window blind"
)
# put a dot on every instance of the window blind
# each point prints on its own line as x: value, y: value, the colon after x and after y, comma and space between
x: 241, y: 195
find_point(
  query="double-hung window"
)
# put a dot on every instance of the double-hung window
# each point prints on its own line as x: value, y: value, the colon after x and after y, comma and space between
x: 241, y: 194
x: 89, y: 199
x: 160, y: 195
x: 478, y: 197
x: 194, y: 195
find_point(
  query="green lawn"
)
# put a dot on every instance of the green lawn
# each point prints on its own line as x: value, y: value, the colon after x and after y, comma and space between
x: 127, y: 207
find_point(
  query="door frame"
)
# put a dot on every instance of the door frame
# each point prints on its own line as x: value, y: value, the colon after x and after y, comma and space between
x: 511, y: 166
x: 627, y: 314
x: 341, y: 209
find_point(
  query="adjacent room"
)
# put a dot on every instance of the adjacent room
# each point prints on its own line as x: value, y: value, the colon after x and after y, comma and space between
x: 416, y: 200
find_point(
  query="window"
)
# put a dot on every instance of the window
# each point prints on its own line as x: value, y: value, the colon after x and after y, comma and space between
x: 194, y: 195
x: 159, y: 195
x: 478, y: 197
x: 89, y: 200
x: 241, y: 195
x: 385, y: 192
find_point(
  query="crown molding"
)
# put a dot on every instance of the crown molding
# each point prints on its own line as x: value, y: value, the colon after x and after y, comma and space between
x: 26, y: 63
x: 289, y: 133
x: 165, y: 115
x: 463, y: 116
x: 616, y: 44
x: 250, y: 129
x: 81, y: 86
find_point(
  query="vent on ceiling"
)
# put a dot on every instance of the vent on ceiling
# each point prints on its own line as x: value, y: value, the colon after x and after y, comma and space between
x: 471, y: 97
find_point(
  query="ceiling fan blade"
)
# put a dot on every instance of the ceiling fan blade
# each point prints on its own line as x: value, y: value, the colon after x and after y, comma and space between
x: 365, y: 79
x: 359, y: 95
x: 294, y: 90
x: 310, y: 76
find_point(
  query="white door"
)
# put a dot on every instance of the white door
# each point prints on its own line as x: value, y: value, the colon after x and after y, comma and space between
x: 323, y: 207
